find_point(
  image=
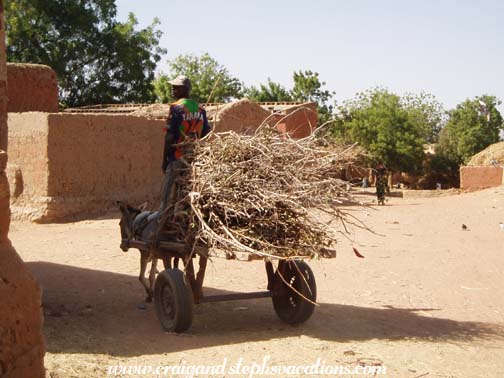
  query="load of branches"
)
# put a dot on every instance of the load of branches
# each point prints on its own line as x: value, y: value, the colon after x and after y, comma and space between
x: 265, y: 194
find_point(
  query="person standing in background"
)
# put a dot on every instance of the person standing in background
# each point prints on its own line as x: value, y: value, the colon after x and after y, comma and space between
x: 381, y: 183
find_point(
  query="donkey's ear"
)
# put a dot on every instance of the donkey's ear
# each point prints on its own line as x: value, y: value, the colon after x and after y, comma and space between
x: 121, y: 205
x: 143, y: 206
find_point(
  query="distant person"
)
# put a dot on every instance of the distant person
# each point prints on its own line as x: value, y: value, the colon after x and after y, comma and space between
x: 186, y: 121
x: 381, y: 183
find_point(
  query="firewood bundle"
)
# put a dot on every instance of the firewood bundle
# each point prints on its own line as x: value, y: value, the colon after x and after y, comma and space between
x: 265, y: 194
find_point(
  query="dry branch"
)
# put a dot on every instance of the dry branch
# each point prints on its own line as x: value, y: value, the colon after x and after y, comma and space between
x: 259, y: 194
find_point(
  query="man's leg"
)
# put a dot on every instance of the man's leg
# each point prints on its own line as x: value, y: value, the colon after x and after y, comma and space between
x: 167, y: 187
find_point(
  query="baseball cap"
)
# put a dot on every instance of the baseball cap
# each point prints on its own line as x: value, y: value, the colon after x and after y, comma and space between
x: 181, y: 81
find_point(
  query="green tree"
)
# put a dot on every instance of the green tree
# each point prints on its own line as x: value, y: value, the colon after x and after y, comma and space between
x: 378, y: 121
x: 162, y: 89
x: 211, y: 81
x: 308, y: 88
x: 425, y: 111
x: 473, y: 125
x: 270, y: 92
x: 97, y: 59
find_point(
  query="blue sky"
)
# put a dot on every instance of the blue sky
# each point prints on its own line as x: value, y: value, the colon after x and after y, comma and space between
x: 452, y: 49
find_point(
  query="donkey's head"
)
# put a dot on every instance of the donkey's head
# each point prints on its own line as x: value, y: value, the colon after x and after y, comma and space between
x: 128, y: 216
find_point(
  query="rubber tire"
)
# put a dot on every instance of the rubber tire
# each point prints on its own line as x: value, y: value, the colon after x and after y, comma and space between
x: 289, y: 305
x: 171, y: 285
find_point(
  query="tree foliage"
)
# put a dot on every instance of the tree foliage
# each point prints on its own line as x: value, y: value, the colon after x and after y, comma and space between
x: 473, y: 126
x: 269, y: 92
x: 208, y: 77
x: 438, y: 168
x: 425, y: 111
x: 97, y: 59
x: 162, y: 89
x: 379, y: 121
x: 307, y: 88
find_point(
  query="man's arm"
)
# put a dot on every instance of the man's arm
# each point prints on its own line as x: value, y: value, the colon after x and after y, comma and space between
x: 170, y: 138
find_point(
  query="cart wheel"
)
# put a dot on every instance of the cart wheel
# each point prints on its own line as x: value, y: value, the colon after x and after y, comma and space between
x: 173, y: 300
x: 289, y: 305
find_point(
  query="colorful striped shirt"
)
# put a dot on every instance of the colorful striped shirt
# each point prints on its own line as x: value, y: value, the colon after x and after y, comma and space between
x: 185, y: 119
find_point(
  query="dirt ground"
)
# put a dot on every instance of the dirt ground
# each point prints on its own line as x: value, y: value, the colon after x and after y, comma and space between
x: 426, y: 301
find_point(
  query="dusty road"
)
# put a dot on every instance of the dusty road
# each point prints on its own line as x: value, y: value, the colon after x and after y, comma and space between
x: 426, y: 301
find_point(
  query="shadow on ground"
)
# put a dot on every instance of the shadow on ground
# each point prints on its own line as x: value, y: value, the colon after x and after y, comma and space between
x: 91, y: 311
x: 110, y: 211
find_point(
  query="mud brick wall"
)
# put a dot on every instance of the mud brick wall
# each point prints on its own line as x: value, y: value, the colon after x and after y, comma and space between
x: 302, y: 120
x: 106, y: 157
x: 31, y: 87
x: 3, y: 84
x: 77, y: 164
x: 22, y: 346
x: 21, y: 343
x: 28, y: 164
x: 297, y: 121
x: 243, y: 116
x: 481, y: 177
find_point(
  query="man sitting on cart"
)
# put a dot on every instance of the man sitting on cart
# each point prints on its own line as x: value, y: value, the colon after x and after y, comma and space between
x: 186, y: 121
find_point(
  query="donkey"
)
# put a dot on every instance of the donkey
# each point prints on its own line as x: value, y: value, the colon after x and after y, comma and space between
x: 138, y: 224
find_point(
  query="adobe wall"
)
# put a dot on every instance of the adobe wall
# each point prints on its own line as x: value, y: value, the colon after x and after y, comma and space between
x: 301, y: 121
x: 404, y: 178
x: 118, y: 157
x: 32, y: 87
x: 242, y: 116
x: 67, y: 164
x: 472, y: 178
x: 3, y: 84
x: 83, y: 163
x: 28, y: 164
x: 245, y: 115
x: 4, y: 185
x: 22, y: 346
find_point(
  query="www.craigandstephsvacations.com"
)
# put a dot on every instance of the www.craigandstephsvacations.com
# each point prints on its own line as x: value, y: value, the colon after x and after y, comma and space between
x: 243, y: 368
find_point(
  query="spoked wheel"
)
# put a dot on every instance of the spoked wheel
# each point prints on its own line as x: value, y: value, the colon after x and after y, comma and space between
x: 173, y: 300
x: 292, y: 279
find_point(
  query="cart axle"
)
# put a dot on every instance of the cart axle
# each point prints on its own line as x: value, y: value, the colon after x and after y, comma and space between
x: 236, y: 296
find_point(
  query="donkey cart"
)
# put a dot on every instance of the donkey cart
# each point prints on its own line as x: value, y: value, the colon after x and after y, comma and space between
x: 165, y: 235
x: 291, y: 285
